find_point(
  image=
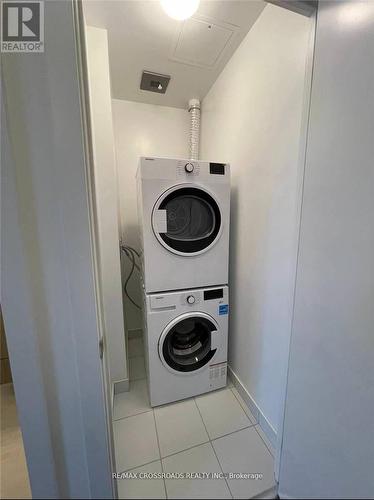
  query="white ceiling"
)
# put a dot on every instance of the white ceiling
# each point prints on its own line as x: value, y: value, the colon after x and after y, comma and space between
x: 142, y: 37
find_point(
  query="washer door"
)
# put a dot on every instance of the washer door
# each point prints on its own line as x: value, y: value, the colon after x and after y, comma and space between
x: 189, y: 342
x: 186, y: 220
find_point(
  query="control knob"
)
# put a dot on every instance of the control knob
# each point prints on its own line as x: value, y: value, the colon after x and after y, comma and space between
x: 189, y: 168
x: 191, y: 299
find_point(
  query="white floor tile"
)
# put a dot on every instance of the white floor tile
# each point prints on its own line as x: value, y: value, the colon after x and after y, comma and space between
x: 265, y: 439
x: 136, y: 347
x: 137, y: 368
x: 14, y: 478
x: 198, y: 459
x: 133, y: 402
x: 135, y: 441
x: 179, y: 427
x: 245, y: 452
x: 242, y: 403
x: 222, y: 413
x: 142, y: 488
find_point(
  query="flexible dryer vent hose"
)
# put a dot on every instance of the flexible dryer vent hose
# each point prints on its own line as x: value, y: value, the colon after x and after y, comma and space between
x: 194, y: 110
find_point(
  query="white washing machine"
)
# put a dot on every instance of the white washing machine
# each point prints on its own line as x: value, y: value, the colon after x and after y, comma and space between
x: 185, y: 341
x: 184, y: 216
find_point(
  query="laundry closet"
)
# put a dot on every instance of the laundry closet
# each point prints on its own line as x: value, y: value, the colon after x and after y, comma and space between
x: 199, y: 132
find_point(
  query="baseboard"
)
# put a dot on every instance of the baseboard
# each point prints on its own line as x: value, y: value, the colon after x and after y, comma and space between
x: 265, y: 425
x: 134, y: 332
x: 268, y: 494
x: 121, y: 386
x: 286, y: 497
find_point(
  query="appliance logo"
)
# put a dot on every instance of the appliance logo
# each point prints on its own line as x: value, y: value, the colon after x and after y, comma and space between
x: 223, y: 309
x: 22, y: 26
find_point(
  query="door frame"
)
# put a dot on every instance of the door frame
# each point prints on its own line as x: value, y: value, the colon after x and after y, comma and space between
x: 309, y: 9
x: 83, y: 83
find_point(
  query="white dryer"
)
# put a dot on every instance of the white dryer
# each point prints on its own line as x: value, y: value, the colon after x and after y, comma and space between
x: 184, y: 215
x: 185, y: 339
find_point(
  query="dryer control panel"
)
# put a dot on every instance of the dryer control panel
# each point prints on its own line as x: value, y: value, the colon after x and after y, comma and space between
x: 188, y: 169
x: 185, y: 170
x: 194, y: 168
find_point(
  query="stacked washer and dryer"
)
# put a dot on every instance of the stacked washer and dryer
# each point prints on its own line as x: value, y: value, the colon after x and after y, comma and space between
x: 184, y: 212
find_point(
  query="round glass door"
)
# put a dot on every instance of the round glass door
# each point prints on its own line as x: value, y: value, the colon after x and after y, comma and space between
x: 191, y: 220
x: 186, y: 345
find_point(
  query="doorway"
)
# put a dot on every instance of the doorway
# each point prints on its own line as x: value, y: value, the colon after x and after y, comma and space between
x: 253, y: 99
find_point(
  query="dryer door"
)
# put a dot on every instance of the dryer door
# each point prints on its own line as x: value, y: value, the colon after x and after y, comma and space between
x: 189, y: 342
x: 187, y: 220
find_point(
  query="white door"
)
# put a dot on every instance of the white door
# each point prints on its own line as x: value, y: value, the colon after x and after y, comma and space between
x: 49, y: 290
x: 328, y: 441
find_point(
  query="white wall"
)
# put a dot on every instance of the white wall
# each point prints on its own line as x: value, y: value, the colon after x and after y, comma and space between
x: 328, y: 443
x: 106, y: 200
x: 142, y: 130
x: 251, y: 118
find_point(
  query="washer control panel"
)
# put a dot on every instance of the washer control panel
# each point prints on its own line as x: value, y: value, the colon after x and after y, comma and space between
x: 191, y: 299
x: 216, y: 297
x: 194, y: 297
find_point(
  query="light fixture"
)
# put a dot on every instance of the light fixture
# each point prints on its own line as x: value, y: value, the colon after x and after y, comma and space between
x: 180, y: 9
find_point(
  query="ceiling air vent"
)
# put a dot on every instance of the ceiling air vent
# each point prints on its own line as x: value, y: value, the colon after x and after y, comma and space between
x: 153, y: 82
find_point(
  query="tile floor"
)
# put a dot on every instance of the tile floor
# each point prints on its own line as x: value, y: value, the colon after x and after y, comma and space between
x: 14, y: 479
x: 212, y: 433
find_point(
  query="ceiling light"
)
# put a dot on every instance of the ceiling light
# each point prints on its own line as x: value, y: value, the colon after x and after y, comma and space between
x: 180, y: 9
x: 355, y: 14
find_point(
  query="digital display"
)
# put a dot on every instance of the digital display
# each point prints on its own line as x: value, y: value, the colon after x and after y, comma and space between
x: 217, y: 168
x: 213, y: 294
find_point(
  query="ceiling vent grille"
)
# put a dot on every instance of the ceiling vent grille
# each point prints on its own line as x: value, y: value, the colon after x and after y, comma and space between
x: 154, y: 82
